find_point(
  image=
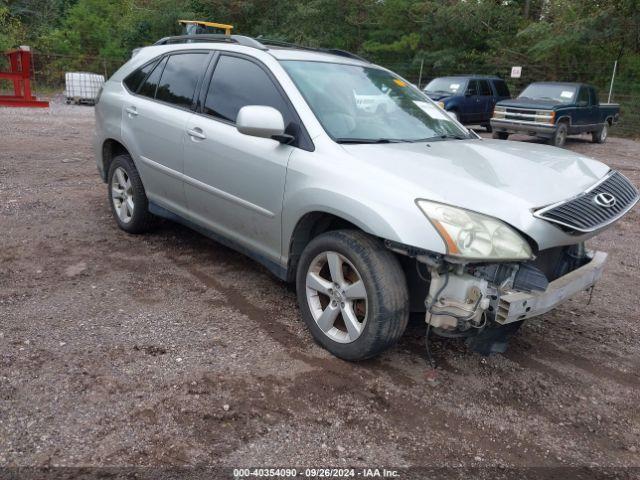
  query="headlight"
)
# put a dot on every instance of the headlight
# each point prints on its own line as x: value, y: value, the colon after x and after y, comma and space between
x: 499, y: 113
x: 441, y: 105
x: 473, y: 235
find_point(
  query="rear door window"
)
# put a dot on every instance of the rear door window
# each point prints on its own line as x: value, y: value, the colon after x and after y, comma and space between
x: 485, y: 88
x: 180, y: 78
x: 148, y: 88
x: 501, y: 88
x: 472, y: 89
x: 236, y: 83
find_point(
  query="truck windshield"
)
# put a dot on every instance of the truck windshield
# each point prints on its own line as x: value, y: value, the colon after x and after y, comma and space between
x: 556, y: 93
x: 445, y: 85
x: 358, y: 104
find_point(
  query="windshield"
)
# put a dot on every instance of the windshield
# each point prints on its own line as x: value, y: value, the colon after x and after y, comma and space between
x: 557, y: 93
x: 445, y: 85
x: 358, y: 104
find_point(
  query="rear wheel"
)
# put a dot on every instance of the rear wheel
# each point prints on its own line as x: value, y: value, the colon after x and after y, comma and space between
x: 127, y: 197
x: 500, y: 135
x: 559, y: 138
x: 352, y: 294
x: 601, y: 135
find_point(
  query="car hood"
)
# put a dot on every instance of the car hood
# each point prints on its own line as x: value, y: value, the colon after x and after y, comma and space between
x: 528, y: 103
x: 502, y: 179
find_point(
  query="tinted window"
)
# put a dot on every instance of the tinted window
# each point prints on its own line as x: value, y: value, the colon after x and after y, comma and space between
x: 472, y: 89
x: 501, y: 88
x: 594, y: 96
x: 485, y: 88
x: 236, y: 83
x: 583, y: 97
x: 180, y: 77
x: 148, y: 88
x: 134, y: 80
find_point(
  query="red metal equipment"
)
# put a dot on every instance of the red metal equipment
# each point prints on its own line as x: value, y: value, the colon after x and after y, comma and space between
x: 20, y: 64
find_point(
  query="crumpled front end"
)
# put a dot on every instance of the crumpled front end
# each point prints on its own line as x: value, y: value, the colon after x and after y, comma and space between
x: 485, y: 303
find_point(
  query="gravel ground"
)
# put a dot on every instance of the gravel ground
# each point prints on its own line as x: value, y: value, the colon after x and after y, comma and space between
x: 169, y: 349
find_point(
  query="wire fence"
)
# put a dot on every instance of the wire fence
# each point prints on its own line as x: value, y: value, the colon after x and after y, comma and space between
x: 49, y: 77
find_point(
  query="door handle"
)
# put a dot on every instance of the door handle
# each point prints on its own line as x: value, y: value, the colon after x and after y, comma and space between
x: 132, y: 111
x: 196, y: 133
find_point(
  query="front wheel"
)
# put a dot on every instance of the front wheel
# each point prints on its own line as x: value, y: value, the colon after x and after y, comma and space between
x: 560, y: 135
x: 352, y: 293
x: 500, y: 135
x: 600, y: 136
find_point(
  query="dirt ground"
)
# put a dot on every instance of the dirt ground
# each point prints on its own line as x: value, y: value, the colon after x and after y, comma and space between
x: 169, y: 349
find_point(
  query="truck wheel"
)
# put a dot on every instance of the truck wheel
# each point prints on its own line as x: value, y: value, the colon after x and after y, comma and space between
x: 500, y: 135
x: 560, y: 135
x: 127, y: 197
x: 488, y: 128
x: 600, y: 136
x: 352, y: 293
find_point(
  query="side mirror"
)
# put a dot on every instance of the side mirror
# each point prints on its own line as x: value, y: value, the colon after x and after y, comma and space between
x: 262, y: 121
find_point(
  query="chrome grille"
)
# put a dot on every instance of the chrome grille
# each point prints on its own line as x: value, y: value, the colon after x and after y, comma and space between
x: 583, y: 214
x: 523, y: 115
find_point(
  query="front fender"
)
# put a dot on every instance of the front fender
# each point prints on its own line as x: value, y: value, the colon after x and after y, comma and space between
x: 406, y: 226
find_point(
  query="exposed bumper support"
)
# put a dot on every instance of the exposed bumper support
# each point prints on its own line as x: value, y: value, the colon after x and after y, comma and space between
x: 518, y: 306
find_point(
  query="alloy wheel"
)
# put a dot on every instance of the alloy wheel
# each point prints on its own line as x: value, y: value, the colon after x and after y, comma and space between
x: 337, y: 297
x: 122, y: 195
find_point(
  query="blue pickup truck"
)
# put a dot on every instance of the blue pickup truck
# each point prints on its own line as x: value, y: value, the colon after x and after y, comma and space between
x: 554, y: 110
x: 470, y: 98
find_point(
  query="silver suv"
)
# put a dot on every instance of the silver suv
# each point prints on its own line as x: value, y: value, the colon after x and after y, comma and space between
x: 342, y: 177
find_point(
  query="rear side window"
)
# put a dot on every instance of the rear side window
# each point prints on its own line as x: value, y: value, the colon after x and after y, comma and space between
x: 236, y: 83
x: 485, y: 88
x: 134, y: 79
x: 501, y: 88
x: 148, y: 88
x: 180, y: 77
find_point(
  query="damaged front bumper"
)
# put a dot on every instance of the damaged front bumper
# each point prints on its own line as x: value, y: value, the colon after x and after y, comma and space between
x: 517, y: 306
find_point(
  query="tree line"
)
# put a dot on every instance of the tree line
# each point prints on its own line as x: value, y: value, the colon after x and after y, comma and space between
x: 563, y: 38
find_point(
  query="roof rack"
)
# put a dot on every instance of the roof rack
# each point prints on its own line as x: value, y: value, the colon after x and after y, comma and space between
x: 343, y: 53
x: 259, y: 43
x: 333, y: 51
x: 212, y: 37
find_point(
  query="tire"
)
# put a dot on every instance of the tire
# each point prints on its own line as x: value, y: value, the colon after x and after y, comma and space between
x: 124, y: 184
x: 560, y: 135
x: 380, y: 306
x: 488, y: 128
x: 600, y: 136
x: 500, y: 135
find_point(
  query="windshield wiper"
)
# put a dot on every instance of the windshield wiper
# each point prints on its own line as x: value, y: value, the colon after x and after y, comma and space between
x: 445, y: 137
x: 369, y: 140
